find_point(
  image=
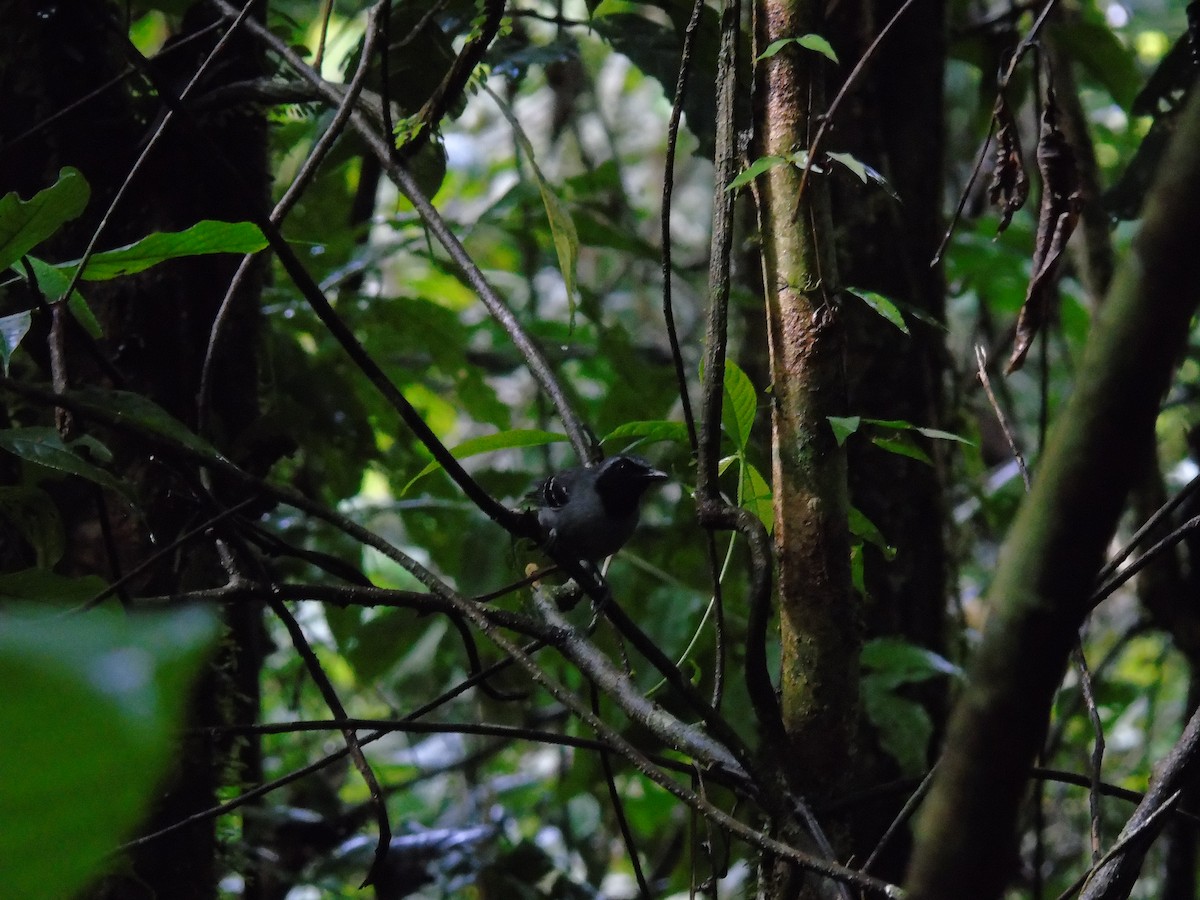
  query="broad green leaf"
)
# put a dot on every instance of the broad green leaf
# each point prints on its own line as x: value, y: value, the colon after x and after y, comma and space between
x: 26, y: 223
x: 812, y: 42
x: 490, y: 443
x: 883, y: 306
x: 756, y: 168
x: 818, y: 44
x: 92, y: 705
x: 649, y: 431
x: 740, y: 405
x: 202, y: 238
x: 844, y: 426
x: 904, y: 726
x: 866, y: 530
x: 773, y: 48
x: 12, y: 331
x: 896, y: 662
x: 145, y: 414
x: 36, y: 517
x: 902, y: 445
x: 756, y: 495
x: 45, y: 447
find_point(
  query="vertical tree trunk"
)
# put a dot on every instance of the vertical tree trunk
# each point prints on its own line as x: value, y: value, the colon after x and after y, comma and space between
x: 818, y: 619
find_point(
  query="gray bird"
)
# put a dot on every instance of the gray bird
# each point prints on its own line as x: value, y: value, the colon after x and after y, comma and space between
x: 589, y: 512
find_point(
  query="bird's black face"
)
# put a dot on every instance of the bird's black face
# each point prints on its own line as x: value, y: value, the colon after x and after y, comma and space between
x: 622, y: 480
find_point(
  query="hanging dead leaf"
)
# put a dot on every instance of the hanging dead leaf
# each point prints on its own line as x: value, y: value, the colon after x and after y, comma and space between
x: 1057, y: 218
x: 1010, y: 185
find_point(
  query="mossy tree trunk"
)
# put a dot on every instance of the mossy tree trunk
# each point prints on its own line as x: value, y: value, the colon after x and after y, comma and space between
x: 818, y: 618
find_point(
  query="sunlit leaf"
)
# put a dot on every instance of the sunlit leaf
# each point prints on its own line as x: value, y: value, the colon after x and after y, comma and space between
x: 757, y: 496
x: 740, y: 405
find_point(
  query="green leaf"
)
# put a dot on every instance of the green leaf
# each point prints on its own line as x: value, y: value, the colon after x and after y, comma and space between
x: 489, y: 443
x: 202, y: 238
x: 107, y: 693
x: 866, y: 530
x: 773, y: 48
x: 843, y: 427
x: 648, y: 431
x: 904, y: 726
x: 26, y: 223
x: 756, y: 168
x: 883, y: 306
x: 812, y: 42
x: 939, y: 435
x: 615, y: 8
x: 144, y: 413
x: 739, y: 405
x: 562, y: 227
x: 52, y: 282
x: 45, y: 447
x: 902, y: 445
x: 818, y: 44
x: 12, y: 331
x: 756, y: 495
x: 898, y: 662
x: 858, y: 570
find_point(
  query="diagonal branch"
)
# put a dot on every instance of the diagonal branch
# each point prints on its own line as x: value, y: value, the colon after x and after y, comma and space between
x: 1047, y: 571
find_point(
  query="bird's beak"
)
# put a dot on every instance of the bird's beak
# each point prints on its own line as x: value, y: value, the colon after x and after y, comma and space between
x: 655, y: 475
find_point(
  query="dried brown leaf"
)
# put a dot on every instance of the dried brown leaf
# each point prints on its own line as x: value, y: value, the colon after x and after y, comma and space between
x: 1057, y: 218
x: 1010, y: 185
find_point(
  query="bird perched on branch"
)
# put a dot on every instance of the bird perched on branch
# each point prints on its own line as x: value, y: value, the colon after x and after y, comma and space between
x: 589, y: 512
